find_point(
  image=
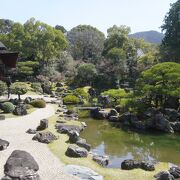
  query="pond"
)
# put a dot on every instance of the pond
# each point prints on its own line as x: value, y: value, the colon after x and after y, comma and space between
x: 121, y: 144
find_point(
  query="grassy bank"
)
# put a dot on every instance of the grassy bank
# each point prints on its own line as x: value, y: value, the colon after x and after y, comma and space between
x: 59, y: 147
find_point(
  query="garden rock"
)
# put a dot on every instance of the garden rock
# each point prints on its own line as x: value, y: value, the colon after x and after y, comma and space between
x: 101, y: 160
x: 82, y: 172
x: 164, y: 175
x: 113, y: 112
x: 82, y: 143
x: 114, y: 118
x: 147, y: 166
x: 73, y: 136
x: 65, y: 129
x: 175, y: 172
x: 27, y: 100
x: 31, y: 131
x: 20, y: 110
x: 76, y: 151
x: 172, y: 114
x: 130, y: 164
x: 21, y: 165
x: 99, y: 114
x: 43, y: 125
x: 161, y: 123
x: 3, y: 144
x: 133, y: 164
x: 45, y: 137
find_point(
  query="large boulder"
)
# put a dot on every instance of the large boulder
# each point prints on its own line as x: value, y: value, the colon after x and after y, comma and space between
x: 130, y: 164
x: 65, y: 129
x: 101, y: 160
x: 82, y: 172
x: 20, y: 110
x: 82, y: 143
x: 133, y: 164
x: 162, y: 124
x: 164, y: 175
x: 173, y: 115
x: 76, y: 151
x: 21, y: 165
x: 43, y: 125
x: 45, y: 137
x: 99, y: 113
x: 113, y: 112
x: 3, y: 144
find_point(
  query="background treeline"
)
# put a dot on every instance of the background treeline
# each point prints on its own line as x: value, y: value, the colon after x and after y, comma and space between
x: 84, y: 56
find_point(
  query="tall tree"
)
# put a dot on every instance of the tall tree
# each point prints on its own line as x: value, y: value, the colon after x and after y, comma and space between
x: 171, y: 27
x: 86, y: 43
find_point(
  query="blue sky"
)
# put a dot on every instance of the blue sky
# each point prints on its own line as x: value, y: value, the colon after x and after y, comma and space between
x: 140, y: 15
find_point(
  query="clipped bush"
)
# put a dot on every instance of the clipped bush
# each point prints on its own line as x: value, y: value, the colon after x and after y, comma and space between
x: 71, y: 99
x: 37, y: 87
x: 29, y: 106
x: 8, y: 107
x: 81, y: 92
x: 38, y: 103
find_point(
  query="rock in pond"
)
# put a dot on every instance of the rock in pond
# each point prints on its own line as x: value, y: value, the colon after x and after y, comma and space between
x: 99, y: 113
x: 31, y: 131
x: 43, y: 125
x: 101, y: 160
x: 82, y: 172
x: 20, y: 110
x: 21, y: 165
x: 161, y: 123
x: 82, y: 143
x: 45, y: 137
x: 76, y: 151
x: 3, y: 144
x: 133, y: 164
x: 164, y: 175
x: 65, y: 129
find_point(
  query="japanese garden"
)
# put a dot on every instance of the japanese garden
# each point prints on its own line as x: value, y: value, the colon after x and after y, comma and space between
x: 81, y: 104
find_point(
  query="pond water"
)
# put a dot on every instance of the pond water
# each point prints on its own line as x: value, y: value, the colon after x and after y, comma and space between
x: 121, y: 144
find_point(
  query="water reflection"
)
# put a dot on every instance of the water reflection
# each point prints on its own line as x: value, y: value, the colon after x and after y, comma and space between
x: 119, y: 144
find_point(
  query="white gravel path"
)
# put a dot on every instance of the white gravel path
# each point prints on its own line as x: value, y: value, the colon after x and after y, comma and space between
x: 13, y: 130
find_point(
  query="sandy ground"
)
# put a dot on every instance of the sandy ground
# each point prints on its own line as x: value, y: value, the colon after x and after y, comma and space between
x: 13, y: 130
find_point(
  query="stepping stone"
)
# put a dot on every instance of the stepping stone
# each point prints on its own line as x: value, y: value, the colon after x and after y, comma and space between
x: 82, y: 172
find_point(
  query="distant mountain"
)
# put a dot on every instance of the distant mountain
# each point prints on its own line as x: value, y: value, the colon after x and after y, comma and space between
x: 149, y: 36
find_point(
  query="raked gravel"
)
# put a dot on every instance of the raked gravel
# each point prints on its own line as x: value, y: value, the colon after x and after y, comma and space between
x: 14, y: 131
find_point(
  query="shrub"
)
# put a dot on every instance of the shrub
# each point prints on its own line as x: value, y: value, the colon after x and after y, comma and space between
x: 71, y: 99
x: 3, y: 87
x: 8, y: 107
x: 81, y: 92
x: 37, y: 87
x: 28, y: 106
x: 39, y: 103
x: 117, y: 95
